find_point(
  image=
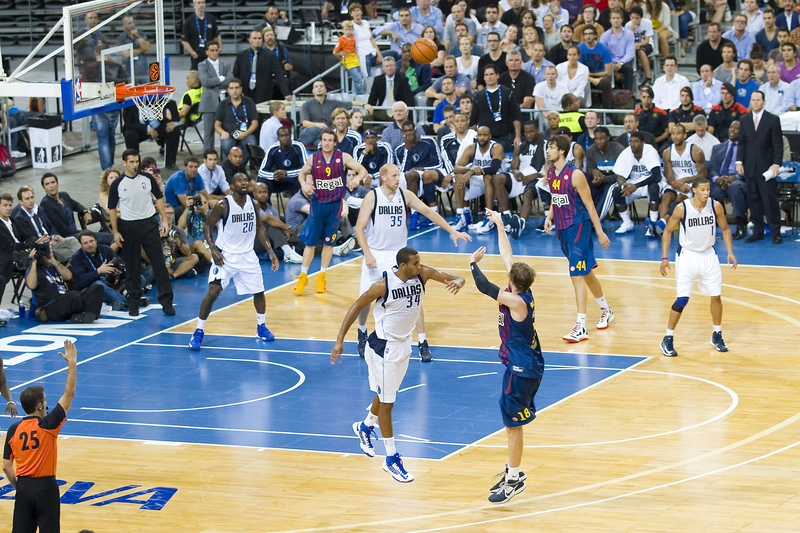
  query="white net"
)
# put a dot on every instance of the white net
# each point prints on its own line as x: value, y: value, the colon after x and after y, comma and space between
x: 151, y: 106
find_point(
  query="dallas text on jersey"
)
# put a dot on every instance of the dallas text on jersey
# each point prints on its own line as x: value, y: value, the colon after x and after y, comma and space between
x: 404, y: 292
x: 701, y: 221
x: 390, y: 209
x: 243, y: 217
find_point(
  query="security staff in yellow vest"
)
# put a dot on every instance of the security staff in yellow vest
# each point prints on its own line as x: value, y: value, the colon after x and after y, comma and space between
x: 190, y: 103
x: 570, y: 117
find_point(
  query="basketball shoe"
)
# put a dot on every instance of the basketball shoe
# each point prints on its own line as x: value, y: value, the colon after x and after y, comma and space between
x: 667, y: 348
x: 718, y: 343
x: 517, y: 226
x: 362, y: 343
x: 264, y: 334
x: 365, y: 435
x: 394, y: 465
x: 606, y: 316
x: 499, y: 485
x: 461, y: 222
x: 626, y: 227
x: 425, y: 354
x: 485, y: 226
x: 509, y: 489
x: 302, y: 281
x: 321, y: 282
x: 577, y: 334
x: 413, y: 221
x: 197, y: 339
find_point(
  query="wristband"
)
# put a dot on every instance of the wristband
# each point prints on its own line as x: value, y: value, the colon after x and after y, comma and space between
x: 10, y: 402
x: 665, y: 258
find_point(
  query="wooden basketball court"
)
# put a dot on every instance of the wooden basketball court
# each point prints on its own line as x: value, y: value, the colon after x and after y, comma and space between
x: 702, y: 442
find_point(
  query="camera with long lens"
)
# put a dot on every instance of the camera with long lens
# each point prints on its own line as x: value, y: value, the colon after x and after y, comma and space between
x: 113, y: 279
x: 173, y: 233
x: 196, y: 202
x: 42, y: 250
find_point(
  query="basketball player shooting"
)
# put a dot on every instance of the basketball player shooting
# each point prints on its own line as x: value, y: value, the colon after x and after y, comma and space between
x: 398, y: 300
x: 696, y: 259
x: 234, y: 257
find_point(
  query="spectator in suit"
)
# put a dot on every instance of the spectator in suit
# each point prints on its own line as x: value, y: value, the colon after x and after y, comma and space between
x: 214, y: 77
x: 759, y: 157
x: 33, y: 226
x: 788, y: 19
x: 236, y: 120
x: 60, y: 207
x: 270, y: 44
x: 726, y: 182
x: 631, y: 123
x: 388, y: 88
x: 10, y: 240
x: 199, y: 30
x: 165, y: 132
x: 260, y: 70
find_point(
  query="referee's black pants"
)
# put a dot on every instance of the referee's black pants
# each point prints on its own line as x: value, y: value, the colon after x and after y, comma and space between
x: 37, y: 504
x: 140, y: 235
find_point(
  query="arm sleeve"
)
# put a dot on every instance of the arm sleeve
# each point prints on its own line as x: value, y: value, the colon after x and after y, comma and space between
x: 655, y: 177
x: 484, y: 285
x: 494, y: 167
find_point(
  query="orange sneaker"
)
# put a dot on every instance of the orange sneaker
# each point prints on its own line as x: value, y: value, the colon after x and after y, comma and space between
x: 302, y: 281
x: 321, y: 282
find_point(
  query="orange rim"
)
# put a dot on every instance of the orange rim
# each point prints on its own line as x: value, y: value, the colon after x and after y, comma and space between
x: 150, y: 89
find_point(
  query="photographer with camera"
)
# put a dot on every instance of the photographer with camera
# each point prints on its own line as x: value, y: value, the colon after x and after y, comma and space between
x: 98, y: 264
x: 178, y: 256
x: 182, y: 186
x: 47, y: 278
x: 193, y: 220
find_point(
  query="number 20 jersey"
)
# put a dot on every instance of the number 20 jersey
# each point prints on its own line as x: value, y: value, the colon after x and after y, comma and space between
x: 236, y: 232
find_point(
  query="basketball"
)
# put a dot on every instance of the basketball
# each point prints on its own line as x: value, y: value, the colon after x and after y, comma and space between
x: 423, y: 51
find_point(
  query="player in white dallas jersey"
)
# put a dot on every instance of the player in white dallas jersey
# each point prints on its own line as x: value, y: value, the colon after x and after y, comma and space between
x: 638, y: 170
x: 382, y: 230
x: 398, y: 301
x: 696, y: 258
x: 238, y: 224
x: 683, y: 162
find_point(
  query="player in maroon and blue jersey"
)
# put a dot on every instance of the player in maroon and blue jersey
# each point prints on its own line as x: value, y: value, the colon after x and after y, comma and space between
x: 520, y: 353
x: 575, y: 216
x: 324, y: 178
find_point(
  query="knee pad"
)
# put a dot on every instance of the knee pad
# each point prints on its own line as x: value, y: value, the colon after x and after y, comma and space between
x: 654, y: 193
x: 680, y: 303
x: 429, y: 192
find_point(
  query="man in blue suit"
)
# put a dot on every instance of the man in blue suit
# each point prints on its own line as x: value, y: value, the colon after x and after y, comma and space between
x: 725, y: 182
x: 788, y: 19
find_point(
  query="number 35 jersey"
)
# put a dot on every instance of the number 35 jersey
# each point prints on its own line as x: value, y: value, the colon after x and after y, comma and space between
x: 236, y: 233
x: 397, y: 311
x: 386, y: 229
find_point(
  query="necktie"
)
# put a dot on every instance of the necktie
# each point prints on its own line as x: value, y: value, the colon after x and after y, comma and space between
x: 755, y: 121
x: 252, y: 84
x: 38, y: 225
x: 726, y: 165
x: 389, y: 93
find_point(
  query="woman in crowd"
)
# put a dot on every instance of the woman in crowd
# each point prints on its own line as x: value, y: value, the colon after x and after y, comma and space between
x: 511, y: 40
x: 467, y: 63
x: 429, y: 32
x: 369, y: 56
x: 529, y: 39
x: 658, y: 13
x: 551, y: 35
x: 357, y: 122
x: 573, y: 74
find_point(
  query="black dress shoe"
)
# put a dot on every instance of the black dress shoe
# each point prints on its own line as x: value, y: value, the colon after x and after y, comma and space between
x: 777, y: 239
x: 168, y: 310
x: 754, y: 238
x: 3, y: 323
x: 740, y: 233
x: 133, y: 309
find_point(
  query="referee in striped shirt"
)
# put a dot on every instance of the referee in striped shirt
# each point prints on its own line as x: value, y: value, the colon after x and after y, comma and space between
x: 136, y: 228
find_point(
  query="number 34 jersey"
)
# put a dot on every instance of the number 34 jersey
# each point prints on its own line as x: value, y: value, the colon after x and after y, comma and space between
x: 396, y: 312
x: 236, y: 232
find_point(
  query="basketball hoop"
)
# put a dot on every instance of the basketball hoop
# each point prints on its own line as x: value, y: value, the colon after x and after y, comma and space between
x: 151, y: 99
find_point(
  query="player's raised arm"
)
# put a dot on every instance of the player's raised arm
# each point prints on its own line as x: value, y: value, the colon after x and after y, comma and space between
x: 580, y: 184
x: 516, y: 304
x: 726, y: 232
x: 364, y: 214
x: 373, y: 293
x: 666, y: 237
x: 415, y: 203
x: 451, y: 281
x: 502, y: 240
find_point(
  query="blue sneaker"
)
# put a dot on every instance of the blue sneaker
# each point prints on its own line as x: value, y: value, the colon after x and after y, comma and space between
x: 667, y: 348
x: 394, y: 465
x: 425, y: 222
x: 485, y: 226
x: 507, y: 223
x: 461, y: 222
x: 717, y: 342
x: 413, y: 221
x: 365, y: 435
x: 467, y: 216
x: 362, y: 343
x: 264, y: 334
x: 661, y: 225
x: 197, y: 339
x: 517, y: 226
x: 651, y: 229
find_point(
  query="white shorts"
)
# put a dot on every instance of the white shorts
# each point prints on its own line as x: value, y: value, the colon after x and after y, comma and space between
x: 243, y: 269
x: 703, y: 266
x: 641, y: 192
x: 386, y: 373
x: 475, y: 188
x: 385, y: 260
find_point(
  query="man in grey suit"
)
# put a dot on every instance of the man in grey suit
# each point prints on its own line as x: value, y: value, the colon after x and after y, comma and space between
x: 214, y: 77
x: 761, y: 152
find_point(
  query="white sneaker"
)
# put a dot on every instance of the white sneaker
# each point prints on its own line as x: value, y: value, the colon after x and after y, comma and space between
x: 292, y: 257
x: 460, y: 224
x: 345, y: 248
x: 626, y: 227
x: 577, y: 334
x: 17, y: 155
x: 606, y: 316
x: 485, y: 226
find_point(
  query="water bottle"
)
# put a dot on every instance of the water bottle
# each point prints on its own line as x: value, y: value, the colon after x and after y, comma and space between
x: 21, y: 310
